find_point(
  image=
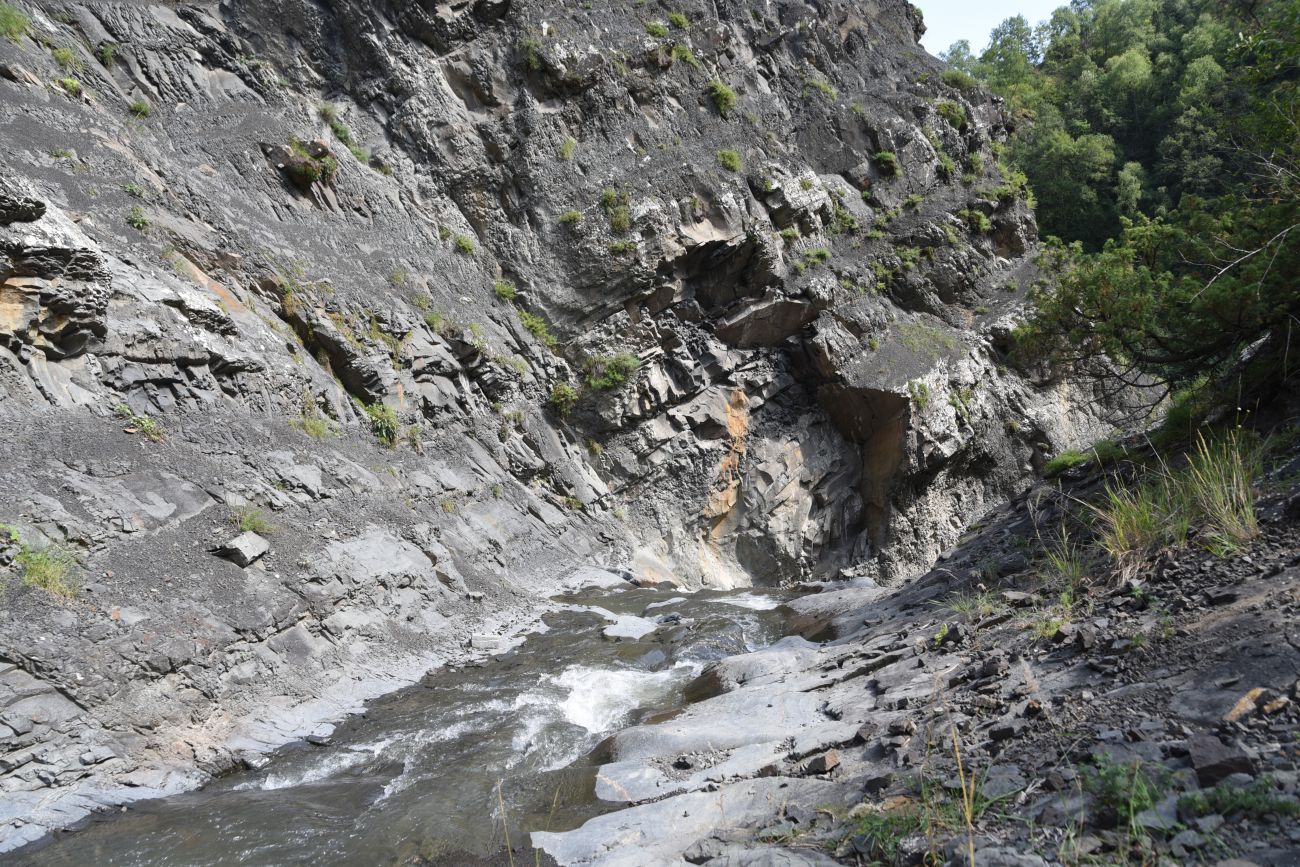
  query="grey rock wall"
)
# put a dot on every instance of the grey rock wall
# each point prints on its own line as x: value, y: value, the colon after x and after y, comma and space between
x: 203, y: 289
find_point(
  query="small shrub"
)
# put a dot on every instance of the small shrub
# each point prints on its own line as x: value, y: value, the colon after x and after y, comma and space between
x: 724, y: 98
x: 107, y: 53
x: 821, y: 86
x: 134, y: 190
x: 887, y: 163
x: 571, y: 217
x: 136, y: 219
x: 1122, y: 792
x: 567, y: 147
x: 465, y: 245
x: 608, y: 373
x: 250, y: 520
x: 975, y: 220
x: 958, y: 79
x: 954, y: 114
x: 536, y: 326
x: 383, y: 423
x: 620, y: 219
x: 657, y: 29
x: 678, y: 20
x: 1066, y: 460
x: 563, y: 399
x: 140, y: 109
x: 50, y: 569
x: 505, y: 290
x: 67, y: 58
x: 619, y: 248
x: 1254, y: 801
x: 13, y: 22
x: 71, y: 85
x: 729, y: 160
x: 920, y: 392
x: 341, y: 132
x: 683, y: 52
x: 141, y: 424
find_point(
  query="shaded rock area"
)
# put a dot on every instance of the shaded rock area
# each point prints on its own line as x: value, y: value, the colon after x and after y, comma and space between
x: 287, y: 290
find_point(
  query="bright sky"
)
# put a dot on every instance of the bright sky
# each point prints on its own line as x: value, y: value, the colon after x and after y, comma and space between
x: 946, y: 21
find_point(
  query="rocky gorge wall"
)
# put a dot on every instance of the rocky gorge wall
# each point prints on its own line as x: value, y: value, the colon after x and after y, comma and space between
x: 214, y: 296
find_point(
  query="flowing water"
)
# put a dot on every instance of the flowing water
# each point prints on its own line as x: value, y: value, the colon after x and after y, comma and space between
x: 428, y: 772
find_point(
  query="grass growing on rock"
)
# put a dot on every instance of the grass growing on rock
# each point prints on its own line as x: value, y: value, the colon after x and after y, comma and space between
x: 729, y: 159
x: 563, y: 399
x: 251, y: 520
x: 537, y: 327
x: 1213, y: 489
x: 724, y: 98
x: 13, y: 22
x: 383, y: 423
x: 606, y: 373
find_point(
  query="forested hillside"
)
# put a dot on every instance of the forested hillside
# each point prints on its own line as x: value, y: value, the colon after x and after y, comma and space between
x: 1162, y: 141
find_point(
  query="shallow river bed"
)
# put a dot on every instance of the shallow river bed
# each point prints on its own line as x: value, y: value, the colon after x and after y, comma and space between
x: 428, y: 772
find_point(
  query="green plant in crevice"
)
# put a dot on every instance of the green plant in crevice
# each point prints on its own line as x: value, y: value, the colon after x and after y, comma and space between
x: 605, y: 373
x: 383, y: 423
x: 724, y: 98
x: 563, y: 399
x: 13, y: 22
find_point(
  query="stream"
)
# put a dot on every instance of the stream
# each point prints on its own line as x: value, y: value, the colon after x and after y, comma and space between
x: 427, y: 772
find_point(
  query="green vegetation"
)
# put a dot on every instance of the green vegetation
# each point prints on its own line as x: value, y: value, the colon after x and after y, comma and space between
x: 958, y: 79
x: 13, y: 22
x: 605, y: 373
x: 1253, y: 801
x: 141, y: 424
x: 954, y: 113
x: 536, y: 326
x: 678, y: 20
x: 976, y: 221
x: 657, y: 29
x: 71, y: 85
x: 1213, y: 490
x: 1123, y: 791
x: 819, y: 85
x: 136, y: 218
x: 615, y: 204
x: 67, y: 58
x: 729, y: 160
x: 251, y: 520
x: 919, y: 337
x: 135, y: 190
x: 571, y: 217
x: 383, y: 423
x: 107, y: 53
x: 563, y: 399
x: 887, y: 163
x: 567, y: 148
x: 307, y: 169
x: 505, y: 290
x: 724, y: 98
x: 465, y: 245
x: 341, y: 132
x: 139, y: 109
x: 51, y: 568
x: 683, y: 52
x: 1162, y: 150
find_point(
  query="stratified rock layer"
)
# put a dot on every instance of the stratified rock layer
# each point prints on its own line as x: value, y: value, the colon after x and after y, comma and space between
x: 263, y: 233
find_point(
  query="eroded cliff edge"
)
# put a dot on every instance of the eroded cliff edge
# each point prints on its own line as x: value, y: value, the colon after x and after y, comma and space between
x: 798, y: 229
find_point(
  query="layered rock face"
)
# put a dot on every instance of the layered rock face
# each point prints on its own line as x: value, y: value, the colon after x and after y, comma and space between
x: 254, y: 240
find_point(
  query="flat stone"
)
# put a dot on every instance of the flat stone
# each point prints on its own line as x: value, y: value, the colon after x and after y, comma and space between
x: 244, y: 549
x: 1214, y: 760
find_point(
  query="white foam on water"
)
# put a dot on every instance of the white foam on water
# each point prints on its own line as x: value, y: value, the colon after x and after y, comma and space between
x: 600, y: 699
x: 751, y: 600
x: 331, y: 764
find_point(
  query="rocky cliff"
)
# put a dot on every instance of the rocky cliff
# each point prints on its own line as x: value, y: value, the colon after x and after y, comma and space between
x: 334, y: 333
